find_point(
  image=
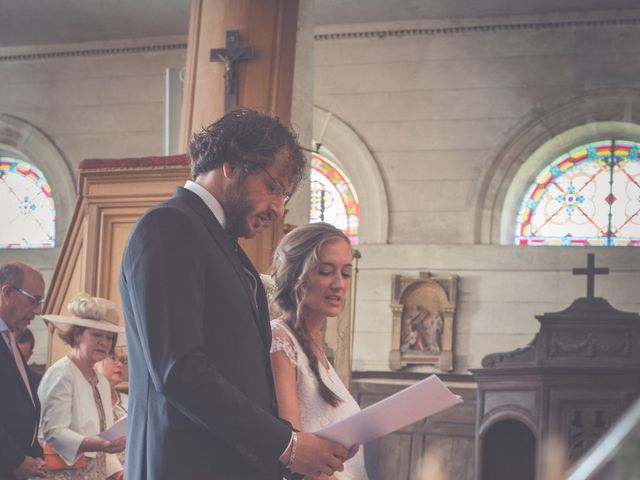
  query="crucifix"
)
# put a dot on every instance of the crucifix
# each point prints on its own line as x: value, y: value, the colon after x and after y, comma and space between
x: 229, y: 55
x: 591, y: 271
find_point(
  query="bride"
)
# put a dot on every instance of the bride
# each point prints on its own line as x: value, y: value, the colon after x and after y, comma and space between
x: 312, y: 275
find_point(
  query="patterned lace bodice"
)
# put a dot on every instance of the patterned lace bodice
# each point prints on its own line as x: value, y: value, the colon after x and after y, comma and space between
x: 315, y: 412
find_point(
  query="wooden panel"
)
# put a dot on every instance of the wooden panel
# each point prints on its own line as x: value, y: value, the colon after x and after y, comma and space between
x: 116, y: 224
x: 409, y: 453
x: 390, y: 457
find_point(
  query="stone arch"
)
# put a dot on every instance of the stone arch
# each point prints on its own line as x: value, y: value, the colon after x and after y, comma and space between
x: 539, y: 138
x: 24, y: 141
x: 352, y: 155
x: 508, y: 449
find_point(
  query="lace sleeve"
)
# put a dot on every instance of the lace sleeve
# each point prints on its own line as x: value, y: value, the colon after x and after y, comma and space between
x: 281, y: 342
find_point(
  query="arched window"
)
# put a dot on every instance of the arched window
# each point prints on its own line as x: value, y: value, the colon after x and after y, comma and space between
x: 333, y: 198
x: 28, y: 215
x: 589, y: 196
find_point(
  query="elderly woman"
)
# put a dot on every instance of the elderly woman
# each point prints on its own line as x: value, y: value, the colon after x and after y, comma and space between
x: 312, y: 275
x: 114, y: 369
x: 76, y: 400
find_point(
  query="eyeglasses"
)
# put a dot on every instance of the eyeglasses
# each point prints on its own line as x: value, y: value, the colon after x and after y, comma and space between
x: 276, y: 186
x: 32, y: 298
x: 123, y: 359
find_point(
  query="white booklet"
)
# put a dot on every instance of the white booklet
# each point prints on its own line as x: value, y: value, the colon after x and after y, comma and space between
x: 117, y: 430
x: 403, y: 408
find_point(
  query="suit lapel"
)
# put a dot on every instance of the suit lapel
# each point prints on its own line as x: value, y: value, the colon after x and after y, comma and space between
x: 6, y: 352
x: 236, y: 259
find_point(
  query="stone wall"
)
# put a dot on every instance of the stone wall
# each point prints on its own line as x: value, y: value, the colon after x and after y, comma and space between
x: 88, y: 100
x: 451, y: 112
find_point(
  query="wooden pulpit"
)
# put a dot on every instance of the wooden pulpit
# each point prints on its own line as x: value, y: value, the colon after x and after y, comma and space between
x: 112, y: 195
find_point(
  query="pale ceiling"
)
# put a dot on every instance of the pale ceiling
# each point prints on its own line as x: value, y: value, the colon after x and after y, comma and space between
x: 34, y: 22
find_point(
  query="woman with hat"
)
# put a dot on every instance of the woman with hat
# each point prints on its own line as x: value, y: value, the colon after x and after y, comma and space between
x: 76, y: 400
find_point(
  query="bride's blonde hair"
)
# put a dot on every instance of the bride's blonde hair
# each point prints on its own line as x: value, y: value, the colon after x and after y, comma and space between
x: 295, y: 258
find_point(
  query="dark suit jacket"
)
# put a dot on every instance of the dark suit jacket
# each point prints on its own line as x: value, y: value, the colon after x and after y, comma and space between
x: 201, y: 395
x: 18, y: 416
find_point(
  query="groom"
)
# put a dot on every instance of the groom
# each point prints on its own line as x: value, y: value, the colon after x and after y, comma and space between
x: 201, y: 399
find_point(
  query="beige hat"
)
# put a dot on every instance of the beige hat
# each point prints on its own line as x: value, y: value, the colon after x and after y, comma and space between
x: 90, y: 312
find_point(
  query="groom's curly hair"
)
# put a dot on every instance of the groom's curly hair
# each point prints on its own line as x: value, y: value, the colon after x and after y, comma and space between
x: 246, y: 139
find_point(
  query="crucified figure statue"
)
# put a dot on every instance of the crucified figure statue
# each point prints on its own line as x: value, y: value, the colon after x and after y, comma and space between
x: 229, y: 72
x: 229, y: 55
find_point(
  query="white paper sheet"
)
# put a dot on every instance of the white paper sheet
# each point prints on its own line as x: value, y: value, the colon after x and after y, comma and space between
x: 407, y: 406
x: 117, y: 430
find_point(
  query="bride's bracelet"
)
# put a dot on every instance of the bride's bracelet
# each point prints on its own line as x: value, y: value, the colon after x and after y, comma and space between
x: 294, y: 446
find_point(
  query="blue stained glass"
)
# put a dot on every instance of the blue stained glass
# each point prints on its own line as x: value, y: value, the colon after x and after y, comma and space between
x: 28, y: 215
x: 589, y: 196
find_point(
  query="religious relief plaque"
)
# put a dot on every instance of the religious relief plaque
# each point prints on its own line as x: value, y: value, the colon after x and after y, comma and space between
x: 423, y: 311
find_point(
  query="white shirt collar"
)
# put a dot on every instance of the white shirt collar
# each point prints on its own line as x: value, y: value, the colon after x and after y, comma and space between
x: 3, y: 326
x: 209, y: 200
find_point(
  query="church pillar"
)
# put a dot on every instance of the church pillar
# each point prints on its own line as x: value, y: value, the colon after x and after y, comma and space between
x: 264, y: 82
x: 302, y: 105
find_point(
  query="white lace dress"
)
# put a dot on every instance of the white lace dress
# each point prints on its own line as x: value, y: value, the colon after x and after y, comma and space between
x: 315, y: 412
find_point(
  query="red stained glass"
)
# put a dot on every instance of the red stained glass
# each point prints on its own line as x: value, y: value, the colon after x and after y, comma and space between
x: 333, y: 198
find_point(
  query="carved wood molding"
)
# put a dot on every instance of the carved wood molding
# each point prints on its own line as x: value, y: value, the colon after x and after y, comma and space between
x: 92, y: 52
x: 503, y: 27
x: 519, y: 355
x: 590, y: 344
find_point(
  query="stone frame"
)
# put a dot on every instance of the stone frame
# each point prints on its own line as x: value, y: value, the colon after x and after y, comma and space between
x: 423, y: 311
x: 341, y: 144
x: 560, y: 124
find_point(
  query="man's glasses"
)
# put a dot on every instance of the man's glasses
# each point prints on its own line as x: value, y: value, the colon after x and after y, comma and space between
x: 276, y: 187
x: 32, y: 298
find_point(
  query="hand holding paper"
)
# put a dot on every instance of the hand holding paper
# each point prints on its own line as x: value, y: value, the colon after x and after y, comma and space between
x: 117, y: 430
x: 418, y: 401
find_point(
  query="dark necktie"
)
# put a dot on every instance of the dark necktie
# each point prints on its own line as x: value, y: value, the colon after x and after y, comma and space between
x: 233, y: 239
x: 252, y: 279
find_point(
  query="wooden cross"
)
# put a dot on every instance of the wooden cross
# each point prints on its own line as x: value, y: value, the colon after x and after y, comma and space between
x: 591, y: 273
x: 229, y: 56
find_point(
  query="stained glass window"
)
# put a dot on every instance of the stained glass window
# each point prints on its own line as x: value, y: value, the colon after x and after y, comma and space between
x: 589, y: 196
x: 333, y: 198
x: 27, y: 216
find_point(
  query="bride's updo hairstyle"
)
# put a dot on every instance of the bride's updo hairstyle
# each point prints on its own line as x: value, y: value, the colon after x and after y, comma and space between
x: 294, y: 260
